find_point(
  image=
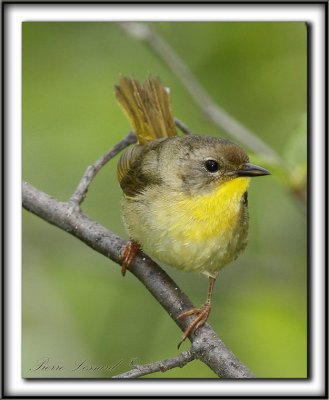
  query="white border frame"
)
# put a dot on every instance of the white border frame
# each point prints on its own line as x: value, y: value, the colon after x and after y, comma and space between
x: 15, y: 14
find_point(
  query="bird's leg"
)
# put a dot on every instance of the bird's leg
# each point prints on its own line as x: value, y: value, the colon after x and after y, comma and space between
x: 202, y: 313
x: 128, y: 253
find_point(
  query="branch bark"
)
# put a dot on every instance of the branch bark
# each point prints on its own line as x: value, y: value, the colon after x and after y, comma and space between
x: 91, y: 171
x: 159, y: 366
x: 206, y: 346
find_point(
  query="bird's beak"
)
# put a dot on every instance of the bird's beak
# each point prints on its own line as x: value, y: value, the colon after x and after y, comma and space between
x: 248, y: 169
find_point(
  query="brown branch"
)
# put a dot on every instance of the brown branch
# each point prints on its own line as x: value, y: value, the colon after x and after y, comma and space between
x: 206, y: 346
x: 91, y: 171
x: 159, y: 366
x: 145, y: 34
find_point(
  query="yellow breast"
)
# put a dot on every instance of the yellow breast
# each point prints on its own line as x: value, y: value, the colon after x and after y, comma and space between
x: 199, y: 218
x: 200, y: 233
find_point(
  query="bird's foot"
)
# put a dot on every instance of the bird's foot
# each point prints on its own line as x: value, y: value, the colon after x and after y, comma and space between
x: 202, y: 314
x: 128, y: 253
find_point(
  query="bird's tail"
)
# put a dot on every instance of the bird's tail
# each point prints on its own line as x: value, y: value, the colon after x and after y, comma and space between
x: 148, y: 108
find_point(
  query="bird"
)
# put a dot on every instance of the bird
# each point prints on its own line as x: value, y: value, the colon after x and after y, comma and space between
x: 185, y: 198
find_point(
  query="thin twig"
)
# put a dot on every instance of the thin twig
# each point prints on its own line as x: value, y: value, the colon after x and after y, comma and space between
x: 214, y: 112
x: 206, y: 346
x: 159, y: 366
x: 184, y: 128
x: 81, y: 191
x: 91, y: 171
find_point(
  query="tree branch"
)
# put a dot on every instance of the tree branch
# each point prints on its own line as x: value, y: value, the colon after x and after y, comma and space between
x: 206, y: 346
x: 184, y: 128
x: 81, y: 191
x: 159, y: 366
x: 91, y: 171
x: 145, y: 34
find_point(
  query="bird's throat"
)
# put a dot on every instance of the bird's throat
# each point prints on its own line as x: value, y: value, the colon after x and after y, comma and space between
x: 218, y: 212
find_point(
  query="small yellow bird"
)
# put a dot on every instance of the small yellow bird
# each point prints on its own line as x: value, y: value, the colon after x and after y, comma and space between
x: 184, y: 197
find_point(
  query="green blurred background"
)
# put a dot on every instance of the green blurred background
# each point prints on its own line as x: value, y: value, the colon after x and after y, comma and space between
x: 77, y: 308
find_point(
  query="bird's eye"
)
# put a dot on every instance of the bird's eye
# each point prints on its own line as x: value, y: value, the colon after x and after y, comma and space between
x: 212, y: 166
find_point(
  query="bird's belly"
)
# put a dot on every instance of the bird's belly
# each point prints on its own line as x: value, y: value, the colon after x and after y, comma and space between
x: 192, y: 234
x: 199, y: 246
x: 203, y: 256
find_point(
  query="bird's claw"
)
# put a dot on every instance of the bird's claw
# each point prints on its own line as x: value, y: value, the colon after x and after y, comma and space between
x: 202, y: 314
x: 128, y: 253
